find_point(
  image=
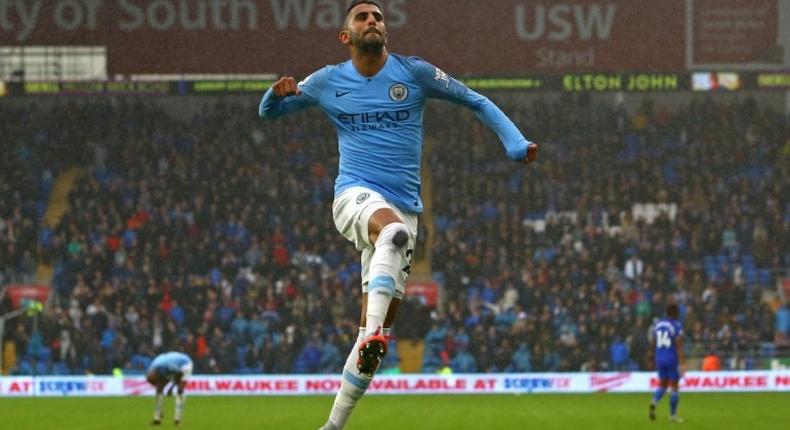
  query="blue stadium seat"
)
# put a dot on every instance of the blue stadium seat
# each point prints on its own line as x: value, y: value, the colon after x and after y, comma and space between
x: 44, y: 354
x: 24, y: 368
x: 750, y: 275
x: 722, y: 259
x: 768, y: 349
x: 139, y: 361
x: 60, y: 368
x: 766, y: 277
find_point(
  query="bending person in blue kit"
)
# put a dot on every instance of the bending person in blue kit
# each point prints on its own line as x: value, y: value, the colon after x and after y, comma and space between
x: 172, y: 368
x: 376, y: 102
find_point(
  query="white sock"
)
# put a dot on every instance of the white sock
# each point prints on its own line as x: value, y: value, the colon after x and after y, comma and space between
x: 158, y: 406
x: 352, y: 388
x: 385, y: 266
x: 181, y: 399
x: 380, y: 292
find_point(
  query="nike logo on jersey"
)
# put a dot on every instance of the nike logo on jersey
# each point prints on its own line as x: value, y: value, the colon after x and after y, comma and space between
x: 339, y: 94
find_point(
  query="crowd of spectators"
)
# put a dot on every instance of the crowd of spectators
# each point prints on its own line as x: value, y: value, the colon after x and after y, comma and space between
x: 581, y: 290
x: 19, y: 210
x: 209, y: 235
x: 212, y: 234
x: 25, y: 182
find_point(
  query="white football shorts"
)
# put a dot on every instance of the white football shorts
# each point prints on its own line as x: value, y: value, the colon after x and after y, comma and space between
x: 186, y: 371
x: 351, y: 211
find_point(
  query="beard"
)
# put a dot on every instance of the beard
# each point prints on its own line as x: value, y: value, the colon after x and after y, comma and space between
x: 369, y: 44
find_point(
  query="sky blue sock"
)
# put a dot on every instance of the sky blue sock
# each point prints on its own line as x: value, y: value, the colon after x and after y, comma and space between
x: 674, y: 398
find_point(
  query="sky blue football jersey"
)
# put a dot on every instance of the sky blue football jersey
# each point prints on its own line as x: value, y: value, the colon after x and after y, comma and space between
x: 379, y: 121
x: 666, y: 332
x: 169, y: 363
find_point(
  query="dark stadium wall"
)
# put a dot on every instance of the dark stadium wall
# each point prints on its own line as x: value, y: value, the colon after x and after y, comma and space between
x: 505, y: 37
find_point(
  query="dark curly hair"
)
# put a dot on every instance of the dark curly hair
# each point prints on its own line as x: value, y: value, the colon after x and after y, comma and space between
x: 359, y: 2
x: 673, y: 311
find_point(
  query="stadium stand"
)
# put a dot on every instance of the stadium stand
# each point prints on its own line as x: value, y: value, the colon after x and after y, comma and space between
x: 211, y: 233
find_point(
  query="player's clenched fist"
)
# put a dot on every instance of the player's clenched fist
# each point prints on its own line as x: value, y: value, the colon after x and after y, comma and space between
x: 532, y: 153
x: 286, y: 86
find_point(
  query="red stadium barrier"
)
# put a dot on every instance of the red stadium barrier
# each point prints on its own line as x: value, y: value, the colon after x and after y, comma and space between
x: 18, y: 293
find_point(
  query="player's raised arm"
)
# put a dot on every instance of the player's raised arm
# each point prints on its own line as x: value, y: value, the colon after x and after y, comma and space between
x: 438, y: 84
x: 287, y: 96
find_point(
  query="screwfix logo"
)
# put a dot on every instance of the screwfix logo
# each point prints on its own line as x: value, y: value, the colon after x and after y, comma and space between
x: 604, y: 383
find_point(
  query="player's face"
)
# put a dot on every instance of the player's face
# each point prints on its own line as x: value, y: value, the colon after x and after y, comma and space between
x: 365, y: 29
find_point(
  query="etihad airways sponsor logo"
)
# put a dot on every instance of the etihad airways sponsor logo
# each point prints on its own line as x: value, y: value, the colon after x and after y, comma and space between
x: 366, y: 121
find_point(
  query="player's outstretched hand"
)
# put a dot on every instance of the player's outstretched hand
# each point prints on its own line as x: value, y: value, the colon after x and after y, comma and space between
x: 532, y: 153
x: 286, y: 86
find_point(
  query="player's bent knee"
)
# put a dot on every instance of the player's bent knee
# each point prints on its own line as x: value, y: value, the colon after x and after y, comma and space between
x: 400, y: 238
x: 395, y: 233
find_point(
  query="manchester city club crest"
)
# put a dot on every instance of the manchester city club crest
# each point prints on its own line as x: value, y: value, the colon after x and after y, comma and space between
x: 398, y: 92
x: 362, y: 197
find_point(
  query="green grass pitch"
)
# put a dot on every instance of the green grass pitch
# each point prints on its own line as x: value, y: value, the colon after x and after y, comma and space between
x: 452, y: 412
